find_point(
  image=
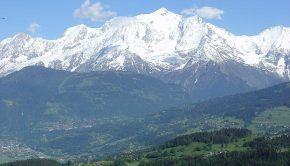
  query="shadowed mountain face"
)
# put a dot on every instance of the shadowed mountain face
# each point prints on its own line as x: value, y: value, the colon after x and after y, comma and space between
x: 36, y: 97
x: 210, y: 79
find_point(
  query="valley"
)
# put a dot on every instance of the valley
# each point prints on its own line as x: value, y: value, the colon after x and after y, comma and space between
x: 231, y: 146
x: 61, y: 131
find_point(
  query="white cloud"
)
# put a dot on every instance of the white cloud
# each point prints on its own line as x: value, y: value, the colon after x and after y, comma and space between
x: 33, y: 27
x: 93, y: 11
x: 205, y: 12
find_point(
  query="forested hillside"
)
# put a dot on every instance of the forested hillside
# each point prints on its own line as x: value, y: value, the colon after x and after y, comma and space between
x: 225, y: 147
x: 37, y: 98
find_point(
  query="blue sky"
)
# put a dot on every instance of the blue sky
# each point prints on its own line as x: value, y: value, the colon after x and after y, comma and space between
x: 49, y: 19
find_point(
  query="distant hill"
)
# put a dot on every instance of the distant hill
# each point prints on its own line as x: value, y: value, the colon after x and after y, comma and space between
x: 265, y: 110
x: 247, y: 106
x: 36, y: 95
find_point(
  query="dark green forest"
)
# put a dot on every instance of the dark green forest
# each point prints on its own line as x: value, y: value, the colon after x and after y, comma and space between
x: 216, y: 137
x: 35, y: 162
x: 214, y: 149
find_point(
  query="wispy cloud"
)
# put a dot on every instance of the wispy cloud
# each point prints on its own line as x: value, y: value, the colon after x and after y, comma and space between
x: 94, y: 11
x: 33, y: 27
x: 204, y: 12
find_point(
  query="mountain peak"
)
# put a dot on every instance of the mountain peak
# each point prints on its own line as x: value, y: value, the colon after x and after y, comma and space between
x: 275, y: 30
x: 163, y: 12
x: 160, y: 16
x: 22, y: 37
x: 274, y: 34
x: 77, y: 30
x: 77, y: 27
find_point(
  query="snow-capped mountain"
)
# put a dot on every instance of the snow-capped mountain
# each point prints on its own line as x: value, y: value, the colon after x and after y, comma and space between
x: 178, y: 49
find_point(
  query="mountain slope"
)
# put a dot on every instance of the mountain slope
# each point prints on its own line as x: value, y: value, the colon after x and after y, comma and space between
x: 177, y: 49
x: 247, y: 106
x: 92, y: 114
x: 224, y: 147
x: 41, y: 98
x: 265, y: 111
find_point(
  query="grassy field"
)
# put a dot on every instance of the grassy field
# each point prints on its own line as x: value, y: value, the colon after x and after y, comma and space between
x: 194, y: 149
x: 272, y: 120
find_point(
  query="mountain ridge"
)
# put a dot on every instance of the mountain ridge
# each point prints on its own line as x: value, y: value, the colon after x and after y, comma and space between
x: 160, y: 44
